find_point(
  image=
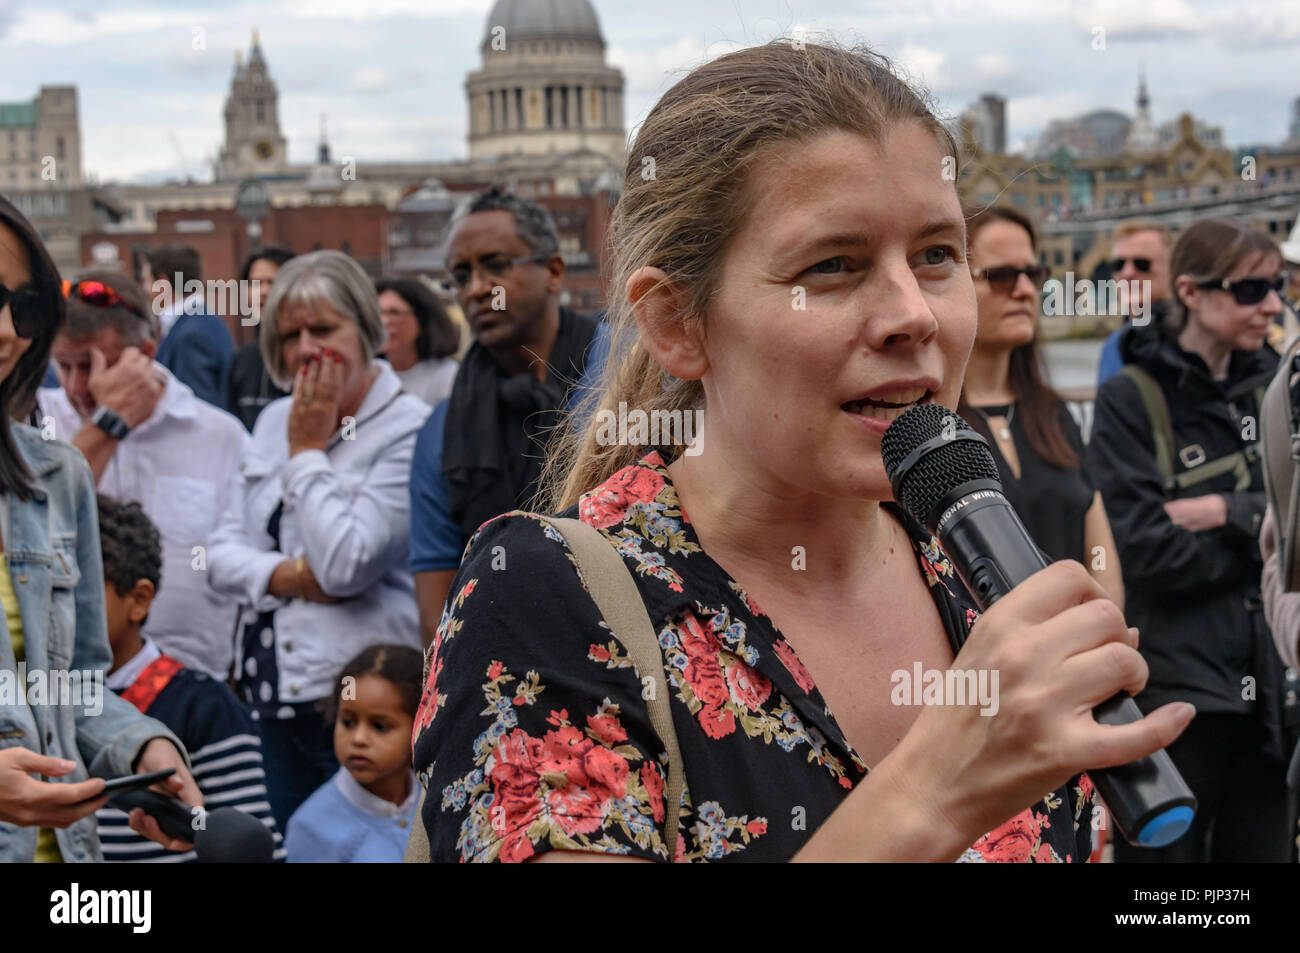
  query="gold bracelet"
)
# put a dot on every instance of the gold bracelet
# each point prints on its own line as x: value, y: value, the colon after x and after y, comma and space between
x: 298, y: 567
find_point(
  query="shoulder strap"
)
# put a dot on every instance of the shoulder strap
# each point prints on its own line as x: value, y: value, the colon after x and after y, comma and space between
x: 1280, y: 447
x: 1157, y: 410
x: 417, y: 845
x: 616, y: 596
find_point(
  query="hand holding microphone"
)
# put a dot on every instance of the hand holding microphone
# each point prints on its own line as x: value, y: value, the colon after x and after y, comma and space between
x: 1067, y: 662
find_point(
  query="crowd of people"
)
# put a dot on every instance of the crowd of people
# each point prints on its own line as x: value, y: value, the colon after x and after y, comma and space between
x: 327, y: 577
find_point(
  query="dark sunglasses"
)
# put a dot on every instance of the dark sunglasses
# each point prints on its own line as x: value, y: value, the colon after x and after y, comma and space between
x: 1004, y: 277
x: 1250, y: 290
x: 25, y: 308
x: 1141, y: 264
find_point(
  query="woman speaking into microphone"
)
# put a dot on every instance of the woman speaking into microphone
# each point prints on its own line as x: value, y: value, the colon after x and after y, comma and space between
x: 790, y: 270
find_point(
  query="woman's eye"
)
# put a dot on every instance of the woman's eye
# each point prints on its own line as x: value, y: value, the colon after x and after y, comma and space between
x: 939, y: 255
x: 837, y: 265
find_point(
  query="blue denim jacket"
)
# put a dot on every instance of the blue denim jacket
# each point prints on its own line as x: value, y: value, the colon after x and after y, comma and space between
x: 52, y: 543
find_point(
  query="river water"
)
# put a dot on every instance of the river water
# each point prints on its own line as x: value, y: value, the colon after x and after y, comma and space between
x: 1072, y: 364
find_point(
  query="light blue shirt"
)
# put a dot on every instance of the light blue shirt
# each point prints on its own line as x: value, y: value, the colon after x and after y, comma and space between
x: 343, y: 823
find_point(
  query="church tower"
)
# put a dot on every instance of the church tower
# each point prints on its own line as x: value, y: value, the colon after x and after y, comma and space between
x: 254, y: 145
x: 1142, y: 137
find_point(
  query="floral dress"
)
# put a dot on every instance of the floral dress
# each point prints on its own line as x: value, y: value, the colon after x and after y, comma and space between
x: 533, y: 734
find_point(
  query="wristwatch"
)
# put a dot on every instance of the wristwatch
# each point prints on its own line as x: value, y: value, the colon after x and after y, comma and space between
x: 109, y: 422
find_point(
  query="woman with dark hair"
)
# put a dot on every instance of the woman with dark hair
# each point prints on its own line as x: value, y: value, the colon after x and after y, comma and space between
x: 251, y: 387
x: 52, y: 594
x: 1034, y: 438
x: 422, y: 338
x: 1174, y: 451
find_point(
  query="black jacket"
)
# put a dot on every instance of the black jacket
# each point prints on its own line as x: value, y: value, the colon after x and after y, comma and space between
x: 1194, y: 596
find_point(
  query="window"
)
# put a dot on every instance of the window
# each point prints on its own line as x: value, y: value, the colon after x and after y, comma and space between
x: 261, y: 110
x: 59, y: 148
x: 582, y: 122
x: 550, y: 110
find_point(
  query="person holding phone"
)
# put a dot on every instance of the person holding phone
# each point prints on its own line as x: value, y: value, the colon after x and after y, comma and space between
x: 52, y: 594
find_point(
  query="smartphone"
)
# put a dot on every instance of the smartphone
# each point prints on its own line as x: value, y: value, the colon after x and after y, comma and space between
x: 130, y: 782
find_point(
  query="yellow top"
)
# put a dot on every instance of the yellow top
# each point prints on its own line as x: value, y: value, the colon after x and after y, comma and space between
x: 47, y: 847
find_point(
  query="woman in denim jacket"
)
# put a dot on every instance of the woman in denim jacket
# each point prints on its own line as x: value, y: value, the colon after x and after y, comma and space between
x: 57, y: 720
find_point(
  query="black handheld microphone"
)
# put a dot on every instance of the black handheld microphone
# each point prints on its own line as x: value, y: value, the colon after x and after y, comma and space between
x: 944, y: 476
x: 223, y: 836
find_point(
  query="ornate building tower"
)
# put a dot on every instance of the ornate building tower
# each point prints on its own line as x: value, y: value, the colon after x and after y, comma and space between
x: 1142, y: 136
x: 253, y: 144
x: 544, y: 87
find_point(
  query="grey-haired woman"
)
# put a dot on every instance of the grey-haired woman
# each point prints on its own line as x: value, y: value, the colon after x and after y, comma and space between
x: 315, y: 541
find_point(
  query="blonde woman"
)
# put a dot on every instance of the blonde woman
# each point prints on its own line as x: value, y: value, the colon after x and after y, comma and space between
x: 796, y: 271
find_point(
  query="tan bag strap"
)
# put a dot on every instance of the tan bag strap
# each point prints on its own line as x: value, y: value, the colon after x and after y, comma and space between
x: 417, y: 845
x: 615, y: 593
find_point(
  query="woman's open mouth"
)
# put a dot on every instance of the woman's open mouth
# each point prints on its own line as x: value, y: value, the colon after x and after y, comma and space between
x: 888, y: 405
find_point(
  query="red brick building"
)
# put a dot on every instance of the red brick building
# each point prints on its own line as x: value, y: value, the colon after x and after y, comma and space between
x: 221, y: 238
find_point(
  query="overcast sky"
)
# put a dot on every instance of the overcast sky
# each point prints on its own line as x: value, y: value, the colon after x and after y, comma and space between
x: 389, y: 74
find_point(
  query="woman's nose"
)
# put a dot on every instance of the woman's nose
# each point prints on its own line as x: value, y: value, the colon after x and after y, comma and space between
x: 7, y: 332
x: 1024, y: 287
x: 902, y: 312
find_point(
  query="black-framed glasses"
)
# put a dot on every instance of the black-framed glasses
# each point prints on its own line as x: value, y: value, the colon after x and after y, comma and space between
x: 1250, y: 290
x: 494, y: 266
x: 25, y: 308
x: 1003, y: 278
x: 1141, y: 264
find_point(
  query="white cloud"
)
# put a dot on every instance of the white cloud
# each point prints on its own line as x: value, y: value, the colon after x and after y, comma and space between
x: 1125, y: 19
x: 369, y: 79
x: 921, y: 63
x: 995, y: 66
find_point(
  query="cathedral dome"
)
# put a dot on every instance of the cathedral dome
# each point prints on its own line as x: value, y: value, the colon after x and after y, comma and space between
x: 544, y: 19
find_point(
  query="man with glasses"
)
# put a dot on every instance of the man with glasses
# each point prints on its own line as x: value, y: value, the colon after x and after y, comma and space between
x: 1139, y: 258
x: 481, y: 452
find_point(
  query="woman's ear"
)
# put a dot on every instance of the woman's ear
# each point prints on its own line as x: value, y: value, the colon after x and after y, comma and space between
x: 1186, y: 291
x: 659, y: 305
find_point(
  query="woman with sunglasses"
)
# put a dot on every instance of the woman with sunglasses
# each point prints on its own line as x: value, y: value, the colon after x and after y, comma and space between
x: 1034, y: 438
x: 1174, y: 451
x: 52, y: 595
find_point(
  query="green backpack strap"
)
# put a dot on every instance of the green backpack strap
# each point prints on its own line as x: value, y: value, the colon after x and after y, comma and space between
x: 1162, y: 429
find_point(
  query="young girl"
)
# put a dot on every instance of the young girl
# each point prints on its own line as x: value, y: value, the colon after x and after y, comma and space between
x: 364, y: 813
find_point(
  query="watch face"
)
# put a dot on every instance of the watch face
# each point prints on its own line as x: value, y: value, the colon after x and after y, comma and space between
x: 264, y: 149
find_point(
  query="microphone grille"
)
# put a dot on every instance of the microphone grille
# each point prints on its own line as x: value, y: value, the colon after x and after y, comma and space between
x: 936, y: 473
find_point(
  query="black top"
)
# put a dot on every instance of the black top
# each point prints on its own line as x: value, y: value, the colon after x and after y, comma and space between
x: 250, y: 385
x: 1193, y: 593
x: 1051, y: 502
x: 533, y: 733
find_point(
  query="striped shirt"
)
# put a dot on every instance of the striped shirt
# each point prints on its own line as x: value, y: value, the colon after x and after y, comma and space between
x: 225, y: 753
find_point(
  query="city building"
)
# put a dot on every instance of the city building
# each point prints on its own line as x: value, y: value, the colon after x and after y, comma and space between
x: 40, y: 141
